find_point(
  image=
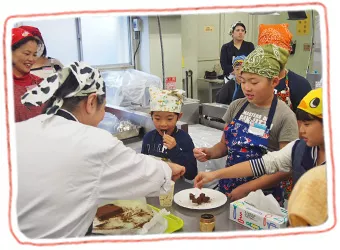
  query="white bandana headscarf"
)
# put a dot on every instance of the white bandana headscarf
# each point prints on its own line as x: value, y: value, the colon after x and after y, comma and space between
x: 88, y: 78
x: 231, y: 29
x: 166, y: 100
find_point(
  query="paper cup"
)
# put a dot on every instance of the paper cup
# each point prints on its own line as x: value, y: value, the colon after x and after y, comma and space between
x: 166, y: 199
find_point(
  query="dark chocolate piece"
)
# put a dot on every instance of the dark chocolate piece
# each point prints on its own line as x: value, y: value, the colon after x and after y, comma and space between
x: 108, y: 211
x: 202, y: 198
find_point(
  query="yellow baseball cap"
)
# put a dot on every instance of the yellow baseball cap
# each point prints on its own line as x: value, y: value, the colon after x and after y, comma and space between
x: 312, y: 103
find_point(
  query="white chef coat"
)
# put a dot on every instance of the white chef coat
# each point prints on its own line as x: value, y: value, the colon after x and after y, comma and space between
x: 66, y: 169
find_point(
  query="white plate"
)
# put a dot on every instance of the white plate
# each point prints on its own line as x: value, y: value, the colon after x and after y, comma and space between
x: 217, y: 198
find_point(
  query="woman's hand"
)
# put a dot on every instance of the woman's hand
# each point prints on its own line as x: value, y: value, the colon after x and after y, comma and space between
x: 177, y: 170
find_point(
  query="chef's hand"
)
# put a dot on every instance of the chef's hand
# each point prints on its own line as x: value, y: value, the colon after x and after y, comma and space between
x: 201, y: 154
x: 169, y: 141
x: 177, y: 170
x: 238, y: 193
x: 203, y: 178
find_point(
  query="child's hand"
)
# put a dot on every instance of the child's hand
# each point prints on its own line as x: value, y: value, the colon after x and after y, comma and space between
x: 201, y: 154
x: 238, y: 193
x: 169, y: 141
x: 203, y: 178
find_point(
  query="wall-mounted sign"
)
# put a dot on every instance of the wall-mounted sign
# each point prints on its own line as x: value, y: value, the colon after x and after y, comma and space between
x: 306, y: 47
x: 170, y: 82
x: 208, y: 28
x: 303, y: 26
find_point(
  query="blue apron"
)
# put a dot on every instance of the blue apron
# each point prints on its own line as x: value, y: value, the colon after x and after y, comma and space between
x: 244, y: 145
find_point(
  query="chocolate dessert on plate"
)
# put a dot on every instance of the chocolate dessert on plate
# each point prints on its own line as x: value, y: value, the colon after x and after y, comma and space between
x: 202, y: 198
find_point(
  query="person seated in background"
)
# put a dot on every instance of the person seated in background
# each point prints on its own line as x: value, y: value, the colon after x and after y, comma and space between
x: 307, y: 204
x: 24, y: 53
x: 292, y: 87
x: 297, y: 157
x: 167, y: 141
x: 44, y: 65
x: 229, y: 92
x: 237, y: 46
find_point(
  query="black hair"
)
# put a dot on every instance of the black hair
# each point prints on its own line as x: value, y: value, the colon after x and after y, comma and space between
x: 45, y: 51
x: 302, y: 115
x: 24, y: 41
x: 239, y: 24
x: 71, y: 103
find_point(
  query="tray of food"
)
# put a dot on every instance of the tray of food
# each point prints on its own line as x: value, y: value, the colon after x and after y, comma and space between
x: 129, y: 217
x: 126, y: 130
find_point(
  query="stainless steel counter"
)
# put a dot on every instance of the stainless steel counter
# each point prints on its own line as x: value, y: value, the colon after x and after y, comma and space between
x: 191, y: 217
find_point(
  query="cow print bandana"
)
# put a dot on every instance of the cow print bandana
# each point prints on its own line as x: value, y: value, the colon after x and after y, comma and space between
x: 89, y: 81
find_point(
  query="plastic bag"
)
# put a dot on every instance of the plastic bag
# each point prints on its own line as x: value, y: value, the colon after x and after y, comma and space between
x: 129, y: 87
x: 109, y: 123
x: 114, y: 94
x: 203, y: 136
x: 158, y: 224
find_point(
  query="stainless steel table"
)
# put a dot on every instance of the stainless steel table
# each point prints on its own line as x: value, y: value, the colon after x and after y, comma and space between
x: 191, y: 217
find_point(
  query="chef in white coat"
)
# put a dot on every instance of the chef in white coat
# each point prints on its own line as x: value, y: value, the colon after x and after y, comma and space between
x: 67, y: 166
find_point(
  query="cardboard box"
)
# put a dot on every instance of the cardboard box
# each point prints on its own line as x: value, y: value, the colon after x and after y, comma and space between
x: 255, y: 219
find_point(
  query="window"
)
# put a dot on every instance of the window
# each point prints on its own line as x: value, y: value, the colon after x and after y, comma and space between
x: 105, y: 44
x: 102, y: 41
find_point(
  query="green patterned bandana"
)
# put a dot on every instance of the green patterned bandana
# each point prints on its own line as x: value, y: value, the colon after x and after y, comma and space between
x: 266, y: 60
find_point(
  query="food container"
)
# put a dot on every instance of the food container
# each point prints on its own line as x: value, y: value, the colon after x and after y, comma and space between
x: 207, y: 223
x: 166, y: 200
x: 127, y: 134
x: 125, y: 129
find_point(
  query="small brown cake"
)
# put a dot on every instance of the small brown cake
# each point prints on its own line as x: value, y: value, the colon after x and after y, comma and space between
x: 108, y: 211
x: 200, y: 199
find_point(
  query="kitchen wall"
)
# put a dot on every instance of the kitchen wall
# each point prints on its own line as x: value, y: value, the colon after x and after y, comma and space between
x: 192, y: 42
x: 149, y: 57
x: 198, y: 38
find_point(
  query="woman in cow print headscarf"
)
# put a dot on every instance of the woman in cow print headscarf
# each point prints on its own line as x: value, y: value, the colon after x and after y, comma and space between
x: 67, y: 166
x: 78, y: 85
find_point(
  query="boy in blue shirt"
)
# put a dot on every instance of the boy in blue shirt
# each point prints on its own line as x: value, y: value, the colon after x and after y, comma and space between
x: 167, y: 141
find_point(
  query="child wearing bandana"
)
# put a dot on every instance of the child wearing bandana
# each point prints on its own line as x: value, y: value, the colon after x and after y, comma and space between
x: 297, y: 157
x: 232, y: 89
x: 167, y: 141
x: 292, y: 87
x: 255, y: 124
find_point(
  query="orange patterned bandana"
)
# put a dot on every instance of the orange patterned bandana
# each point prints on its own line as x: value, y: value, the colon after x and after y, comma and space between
x: 277, y: 34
